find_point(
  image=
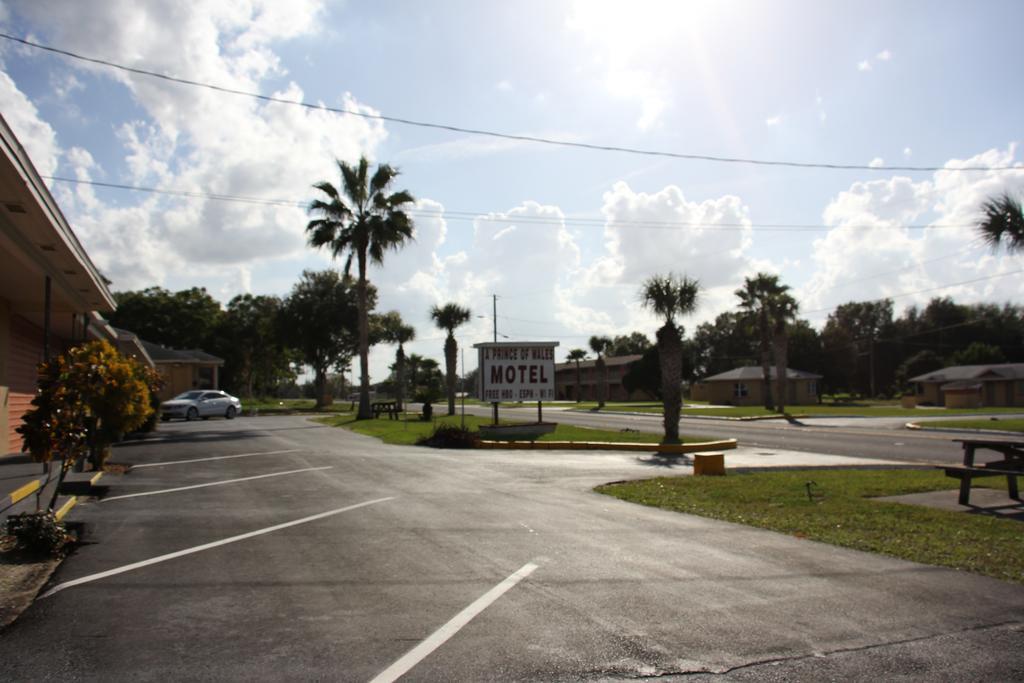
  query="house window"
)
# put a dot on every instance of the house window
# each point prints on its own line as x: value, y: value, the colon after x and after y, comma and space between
x: 920, y: 388
x: 739, y: 390
x: 812, y: 387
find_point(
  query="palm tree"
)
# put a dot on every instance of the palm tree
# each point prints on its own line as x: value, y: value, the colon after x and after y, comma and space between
x: 600, y: 346
x: 782, y: 310
x: 448, y: 317
x: 755, y: 298
x: 365, y: 221
x: 415, y: 362
x: 668, y: 296
x: 1003, y: 223
x: 577, y: 355
x: 395, y: 331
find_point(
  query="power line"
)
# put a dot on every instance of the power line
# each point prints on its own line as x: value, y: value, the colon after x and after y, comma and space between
x: 494, y: 134
x: 485, y: 216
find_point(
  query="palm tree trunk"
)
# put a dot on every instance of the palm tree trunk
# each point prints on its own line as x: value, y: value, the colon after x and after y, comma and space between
x: 765, y: 362
x: 364, y: 340
x: 399, y: 376
x: 781, y: 381
x: 602, y: 382
x: 579, y: 387
x: 451, y: 350
x: 670, y: 355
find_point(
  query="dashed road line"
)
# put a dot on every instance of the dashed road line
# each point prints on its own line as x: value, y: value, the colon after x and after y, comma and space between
x: 216, y: 457
x: 213, y: 483
x: 441, y: 635
x: 206, y: 546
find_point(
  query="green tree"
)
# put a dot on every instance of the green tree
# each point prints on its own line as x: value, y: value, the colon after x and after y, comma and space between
x: 449, y: 317
x: 184, y: 320
x: 724, y: 344
x: 256, y: 360
x: 575, y: 356
x: 920, y: 363
x: 852, y: 332
x: 600, y: 345
x: 1002, y: 222
x: 320, y: 319
x: 395, y: 331
x: 669, y: 296
x: 978, y: 353
x: 782, y: 310
x: 756, y: 299
x: 365, y: 220
x: 632, y: 344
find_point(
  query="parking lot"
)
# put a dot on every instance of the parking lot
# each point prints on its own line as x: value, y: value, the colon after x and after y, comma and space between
x: 277, y: 549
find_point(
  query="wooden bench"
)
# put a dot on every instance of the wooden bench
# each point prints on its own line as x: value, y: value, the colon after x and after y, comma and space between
x: 389, y: 407
x: 1011, y: 466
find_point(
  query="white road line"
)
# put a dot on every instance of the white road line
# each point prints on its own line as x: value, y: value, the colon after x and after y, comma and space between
x: 217, y: 457
x: 441, y: 635
x: 206, y: 546
x: 214, y: 483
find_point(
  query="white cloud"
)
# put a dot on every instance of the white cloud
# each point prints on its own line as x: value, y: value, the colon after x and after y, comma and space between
x: 872, y: 253
x: 907, y: 152
x: 503, y: 86
x: 864, y: 65
x: 37, y: 136
x: 194, y: 139
x: 877, y: 162
x: 884, y: 56
x: 773, y: 120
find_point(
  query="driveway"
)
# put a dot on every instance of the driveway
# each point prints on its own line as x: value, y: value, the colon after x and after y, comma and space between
x: 277, y: 549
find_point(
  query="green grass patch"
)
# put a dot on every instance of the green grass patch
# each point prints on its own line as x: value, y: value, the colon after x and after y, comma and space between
x: 842, y: 513
x: 269, y: 406
x: 1001, y: 425
x: 408, y: 430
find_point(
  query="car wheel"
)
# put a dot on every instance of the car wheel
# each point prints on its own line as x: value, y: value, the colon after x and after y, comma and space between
x: 191, y: 414
x: 231, y: 413
x: 164, y: 418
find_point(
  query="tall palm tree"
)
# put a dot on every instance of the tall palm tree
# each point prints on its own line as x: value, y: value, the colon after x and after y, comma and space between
x: 755, y: 297
x: 415, y: 362
x: 600, y: 346
x: 782, y: 310
x: 1003, y: 222
x: 364, y: 220
x: 668, y: 296
x: 395, y: 331
x: 449, y: 317
x: 577, y: 355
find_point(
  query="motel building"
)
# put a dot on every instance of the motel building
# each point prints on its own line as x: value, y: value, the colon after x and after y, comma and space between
x: 51, y: 294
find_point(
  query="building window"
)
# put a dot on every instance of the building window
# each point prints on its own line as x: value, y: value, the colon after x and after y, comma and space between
x: 812, y: 388
x: 920, y: 388
x: 739, y: 390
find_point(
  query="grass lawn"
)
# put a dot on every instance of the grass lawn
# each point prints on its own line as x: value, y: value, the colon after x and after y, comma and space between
x: 407, y: 431
x: 281, y: 405
x: 1002, y: 425
x: 843, y: 514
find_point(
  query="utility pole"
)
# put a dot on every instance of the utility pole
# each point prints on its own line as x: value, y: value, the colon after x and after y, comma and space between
x: 494, y: 318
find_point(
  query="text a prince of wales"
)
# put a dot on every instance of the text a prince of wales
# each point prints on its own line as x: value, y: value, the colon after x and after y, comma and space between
x: 523, y: 373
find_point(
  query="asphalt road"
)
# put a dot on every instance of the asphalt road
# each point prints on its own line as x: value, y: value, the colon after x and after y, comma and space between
x: 347, y: 557
x: 863, y: 438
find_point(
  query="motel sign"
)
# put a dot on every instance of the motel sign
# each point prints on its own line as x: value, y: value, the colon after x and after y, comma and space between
x: 516, y: 371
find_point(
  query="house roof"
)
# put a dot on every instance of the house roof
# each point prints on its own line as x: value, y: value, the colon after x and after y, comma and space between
x: 162, y: 354
x: 1001, y: 371
x: 609, y: 361
x: 962, y: 385
x: 754, y: 372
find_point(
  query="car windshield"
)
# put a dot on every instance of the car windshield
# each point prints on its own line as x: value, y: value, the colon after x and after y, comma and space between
x: 188, y: 396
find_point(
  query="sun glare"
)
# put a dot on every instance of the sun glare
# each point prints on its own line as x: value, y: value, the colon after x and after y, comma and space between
x: 639, y: 25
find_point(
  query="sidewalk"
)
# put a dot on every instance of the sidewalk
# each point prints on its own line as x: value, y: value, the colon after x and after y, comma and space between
x: 24, y: 486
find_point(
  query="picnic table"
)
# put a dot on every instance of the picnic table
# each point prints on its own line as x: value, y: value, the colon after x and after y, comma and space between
x: 1011, y: 466
x: 389, y: 407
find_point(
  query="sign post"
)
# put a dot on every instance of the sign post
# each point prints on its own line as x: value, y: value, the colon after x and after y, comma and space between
x: 517, y: 371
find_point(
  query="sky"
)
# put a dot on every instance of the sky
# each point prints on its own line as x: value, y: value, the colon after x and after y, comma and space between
x: 563, y: 236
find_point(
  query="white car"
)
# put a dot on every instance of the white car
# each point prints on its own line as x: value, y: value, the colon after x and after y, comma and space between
x: 205, y: 403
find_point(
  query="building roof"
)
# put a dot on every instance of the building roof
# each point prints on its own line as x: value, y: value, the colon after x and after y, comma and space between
x: 609, y: 361
x: 755, y: 372
x: 162, y: 354
x: 962, y: 385
x: 1000, y: 371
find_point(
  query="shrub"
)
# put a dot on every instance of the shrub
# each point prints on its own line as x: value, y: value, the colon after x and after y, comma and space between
x: 38, y: 533
x: 450, y: 436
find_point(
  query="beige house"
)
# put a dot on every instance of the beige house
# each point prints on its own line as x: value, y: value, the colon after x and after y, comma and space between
x: 184, y: 369
x: 745, y: 387
x: 49, y: 288
x: 565, y: 380
x: 971, y: 386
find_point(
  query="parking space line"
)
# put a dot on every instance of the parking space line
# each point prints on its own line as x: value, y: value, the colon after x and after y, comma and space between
x: 213, y: 483
x: 216, y: 457
x: 441, y: 635
x: 206, y: 546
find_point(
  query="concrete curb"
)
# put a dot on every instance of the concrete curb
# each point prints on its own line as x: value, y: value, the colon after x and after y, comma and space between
x: 951, y: 430
x: 689, y: 416
x: 676, y: 449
